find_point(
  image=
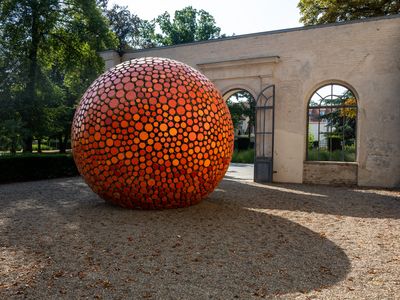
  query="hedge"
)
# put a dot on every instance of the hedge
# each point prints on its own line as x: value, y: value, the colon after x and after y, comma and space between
x: 23, y: 167
x: 243, y: 143
x: 244, y: 156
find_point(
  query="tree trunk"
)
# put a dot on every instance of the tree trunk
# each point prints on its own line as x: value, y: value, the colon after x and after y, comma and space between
x: 65, y: 142
x: 39, y: 146
x: 30, y: 91
x: 13, y: 148
x: 28, y: 144
x: 61, y: 145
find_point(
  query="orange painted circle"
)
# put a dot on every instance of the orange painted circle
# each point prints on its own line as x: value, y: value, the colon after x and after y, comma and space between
x: 161, y: 137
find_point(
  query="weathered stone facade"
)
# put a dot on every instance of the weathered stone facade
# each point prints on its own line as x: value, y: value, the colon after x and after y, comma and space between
x: 362, y: 55
x: 336, y: 173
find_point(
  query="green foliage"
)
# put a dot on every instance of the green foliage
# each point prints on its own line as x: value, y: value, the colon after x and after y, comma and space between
x: 311, y: 139
x: 126, y: 26
x: 249, y: 110
x: 48, y: 57
x: 147, y: 36
x: 36, y: 166
x: 206, y: 27
x: 242, y: 105
x: 237, y: 112
x: 331, y: 11
x: 43, y: 147
x: 348, y: 155
x: 342, y: 120
x: 243, y: 143
x: 188, y: 25
x: 11, y: 134
x: 243, y: 156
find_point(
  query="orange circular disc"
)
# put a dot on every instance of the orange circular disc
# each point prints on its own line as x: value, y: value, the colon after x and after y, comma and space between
x: 152, y: 133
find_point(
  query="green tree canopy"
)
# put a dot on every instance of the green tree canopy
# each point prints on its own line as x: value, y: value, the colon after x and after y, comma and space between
x: 344, y: 119
x: 125, y: 25
x: 131, y: 31
x: 49, y: 56
x: 242, y: 106
x: 48, y: 52
x: 330, y: 11
x: 188, y: 25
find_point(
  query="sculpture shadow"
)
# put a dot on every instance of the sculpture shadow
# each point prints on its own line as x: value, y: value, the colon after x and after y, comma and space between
x: 218, y: 248
x: 332, y: 200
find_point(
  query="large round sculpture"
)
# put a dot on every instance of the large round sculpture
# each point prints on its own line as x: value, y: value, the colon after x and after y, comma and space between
x: 152, y: 133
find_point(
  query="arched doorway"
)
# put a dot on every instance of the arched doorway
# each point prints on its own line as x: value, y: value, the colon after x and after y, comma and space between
x: 254, y: 142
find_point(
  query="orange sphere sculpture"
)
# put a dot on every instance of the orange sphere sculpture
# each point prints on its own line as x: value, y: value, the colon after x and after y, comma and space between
x: 152, y: 133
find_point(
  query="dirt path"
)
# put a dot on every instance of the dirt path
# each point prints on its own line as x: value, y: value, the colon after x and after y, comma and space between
x: 59, y: 240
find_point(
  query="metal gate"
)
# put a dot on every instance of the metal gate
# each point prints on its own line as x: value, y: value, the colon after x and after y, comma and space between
x: 264, y: 135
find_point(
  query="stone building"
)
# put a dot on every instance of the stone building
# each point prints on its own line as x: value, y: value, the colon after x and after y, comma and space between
x: 361, y: 57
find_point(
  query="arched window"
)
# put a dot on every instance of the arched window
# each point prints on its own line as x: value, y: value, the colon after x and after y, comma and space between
x: 332, y: 124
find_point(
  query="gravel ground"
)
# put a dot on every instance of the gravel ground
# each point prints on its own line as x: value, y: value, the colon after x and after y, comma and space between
x: 247, y: 241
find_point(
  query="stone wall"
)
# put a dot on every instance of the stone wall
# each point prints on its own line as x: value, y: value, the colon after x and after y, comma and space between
x: 362, y: 55
x: 333, y: 173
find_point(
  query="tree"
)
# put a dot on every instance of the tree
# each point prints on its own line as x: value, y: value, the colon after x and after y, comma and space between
x: 10, y: 134
x: 188, y: 25
x: 249, y: 109
x: 22, y: 28
x: 330, y: 11
x: 131, y: 31
x: 125, y: 26
x: 73, y: 66
x: 147, y: 36
x: 342, y: 120
x: 236, y: 110
x: 48, y: 42
x: 242, y: 106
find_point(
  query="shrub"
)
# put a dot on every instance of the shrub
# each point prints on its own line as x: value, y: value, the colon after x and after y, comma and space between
x: 334, y: 143
x: 243, y: 143
x: 349, y: 155
x: 25, y: 167
x: 244, y: 156
x: 44, y: 147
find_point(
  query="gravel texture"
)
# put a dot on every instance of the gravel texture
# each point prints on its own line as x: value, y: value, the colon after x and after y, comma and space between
x: 246, y: 240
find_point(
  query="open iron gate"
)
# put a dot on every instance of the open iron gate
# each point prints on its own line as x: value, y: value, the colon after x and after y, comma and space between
x: 264, y: 135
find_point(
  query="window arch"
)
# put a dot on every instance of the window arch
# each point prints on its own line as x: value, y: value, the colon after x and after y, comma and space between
x: 332, y: 124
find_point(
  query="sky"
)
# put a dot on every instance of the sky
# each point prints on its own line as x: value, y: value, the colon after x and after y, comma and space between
x: 232, y: 16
